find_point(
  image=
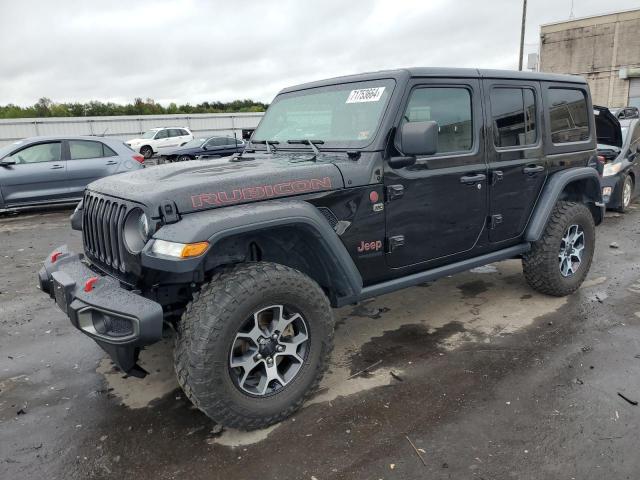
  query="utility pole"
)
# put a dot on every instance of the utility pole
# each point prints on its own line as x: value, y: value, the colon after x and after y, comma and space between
x: 524, y: 21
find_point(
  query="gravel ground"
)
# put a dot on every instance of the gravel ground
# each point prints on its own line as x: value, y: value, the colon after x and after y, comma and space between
x: 473, y: 376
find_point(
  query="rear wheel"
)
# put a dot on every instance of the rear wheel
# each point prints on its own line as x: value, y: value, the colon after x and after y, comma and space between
x: 254, y: 344
x: 559, y: 261
x: 184, y: 158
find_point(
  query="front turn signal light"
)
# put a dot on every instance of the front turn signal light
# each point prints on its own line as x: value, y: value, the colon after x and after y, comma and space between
x: 179, y: 250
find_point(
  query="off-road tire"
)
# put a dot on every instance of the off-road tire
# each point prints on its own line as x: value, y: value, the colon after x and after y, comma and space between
x: 146, y: 152
x: 540, y: 264
x: 208, y: 327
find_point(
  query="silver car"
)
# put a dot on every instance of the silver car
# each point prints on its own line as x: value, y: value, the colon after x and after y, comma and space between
x: 55, y: 170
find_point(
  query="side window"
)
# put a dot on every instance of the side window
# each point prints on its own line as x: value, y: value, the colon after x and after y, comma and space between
x: 43, y: 152
x: 514, y: 116
x: 450, y: 108
x: 107, y: 151
x: 184, y: 133
x: 162, y: 134
x: 569, y: 115
x: 82, y: 149
x: 230, y: 141
x: 174, y: 132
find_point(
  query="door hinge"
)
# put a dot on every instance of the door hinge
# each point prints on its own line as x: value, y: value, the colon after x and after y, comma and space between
x: 494, y: 221
x: 394, y: 192
x: 394, y: 242
x: 496, y: 176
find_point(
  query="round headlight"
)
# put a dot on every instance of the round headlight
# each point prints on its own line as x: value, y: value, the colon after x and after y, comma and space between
x: 136, y: 230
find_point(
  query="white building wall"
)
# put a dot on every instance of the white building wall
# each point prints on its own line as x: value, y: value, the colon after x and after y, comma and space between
x: 126, y: 127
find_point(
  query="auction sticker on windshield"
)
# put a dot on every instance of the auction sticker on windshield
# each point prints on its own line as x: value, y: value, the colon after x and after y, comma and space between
x: 365, y: 95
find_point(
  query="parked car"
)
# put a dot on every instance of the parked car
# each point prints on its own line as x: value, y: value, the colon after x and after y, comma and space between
x: 618, y: 151
x: 159, y: 140
x: 203, y: 147
x: 626, y: 112
x: 56, y: 170
x: 401, y: 177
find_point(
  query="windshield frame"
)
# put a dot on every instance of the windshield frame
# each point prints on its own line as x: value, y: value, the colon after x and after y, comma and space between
x: 332, y: 145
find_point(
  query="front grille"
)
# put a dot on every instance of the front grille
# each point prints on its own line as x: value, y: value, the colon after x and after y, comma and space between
x: 102, y: 221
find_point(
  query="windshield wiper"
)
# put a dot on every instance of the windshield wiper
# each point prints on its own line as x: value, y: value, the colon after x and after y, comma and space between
x: 269, y: 144
x: 308, y: 141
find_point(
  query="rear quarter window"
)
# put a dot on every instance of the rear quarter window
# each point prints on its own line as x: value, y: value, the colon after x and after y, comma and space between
x: 569, y: 115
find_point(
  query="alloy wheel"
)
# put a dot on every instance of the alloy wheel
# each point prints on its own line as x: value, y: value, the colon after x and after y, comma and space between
x: 626, y: 192
x: 571, y: 249
x: 269, y: 350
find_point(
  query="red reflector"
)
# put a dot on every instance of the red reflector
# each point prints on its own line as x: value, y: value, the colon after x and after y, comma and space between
x: 88, y: 285
x: 54, y: 256
x: 373, y: 196
x: 138, y: 158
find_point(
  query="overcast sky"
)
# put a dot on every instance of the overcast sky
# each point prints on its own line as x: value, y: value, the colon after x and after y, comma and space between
x: 192, y: 51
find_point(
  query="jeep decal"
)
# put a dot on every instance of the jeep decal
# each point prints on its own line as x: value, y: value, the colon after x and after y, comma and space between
x: 282, y: 189
x: 373, y: 246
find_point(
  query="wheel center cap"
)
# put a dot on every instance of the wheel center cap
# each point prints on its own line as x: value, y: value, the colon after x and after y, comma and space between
x: 268, y: 348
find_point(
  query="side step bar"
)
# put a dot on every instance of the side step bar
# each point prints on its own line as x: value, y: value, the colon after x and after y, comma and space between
x: 433, y: 274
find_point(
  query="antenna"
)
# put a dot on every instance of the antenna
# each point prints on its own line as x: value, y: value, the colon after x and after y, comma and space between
x: 571, y: 15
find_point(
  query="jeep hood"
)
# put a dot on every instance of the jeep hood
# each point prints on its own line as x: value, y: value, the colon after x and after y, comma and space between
x: 204, y: 184
x: 607, y: 127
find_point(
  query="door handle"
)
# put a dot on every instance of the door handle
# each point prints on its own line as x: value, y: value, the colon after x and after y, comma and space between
x: 471, y: 179
x: 111, y: 162
x: 56, y: 167
x: 533, y: 169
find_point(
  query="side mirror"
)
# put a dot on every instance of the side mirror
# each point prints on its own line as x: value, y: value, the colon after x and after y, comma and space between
x: 7, y: 163
x: 419, y: 138
x: 204, y: 147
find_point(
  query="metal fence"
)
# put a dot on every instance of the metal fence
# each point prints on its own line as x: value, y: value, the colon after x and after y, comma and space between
x: 126, y: 127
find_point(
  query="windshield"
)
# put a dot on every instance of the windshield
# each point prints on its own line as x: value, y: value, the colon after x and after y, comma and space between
x: 195, y: 143
x: 6, y: 149
x: 149, y: 134
x: 346, y: 115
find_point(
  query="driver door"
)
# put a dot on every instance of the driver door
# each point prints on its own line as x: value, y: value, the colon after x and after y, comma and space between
x: 437, y: 207
x: 38, y: 175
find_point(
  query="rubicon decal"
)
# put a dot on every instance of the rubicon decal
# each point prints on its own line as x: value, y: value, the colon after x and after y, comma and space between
x: 374, y: 246
x: 260, y: 192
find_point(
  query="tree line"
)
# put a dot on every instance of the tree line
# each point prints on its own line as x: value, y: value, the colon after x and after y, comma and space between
x: 47, y: 108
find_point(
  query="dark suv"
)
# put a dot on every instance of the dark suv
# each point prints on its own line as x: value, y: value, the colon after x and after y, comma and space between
x: 351, y: 187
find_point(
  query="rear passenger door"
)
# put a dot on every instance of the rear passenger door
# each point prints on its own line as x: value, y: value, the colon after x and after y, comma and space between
x: 517, y: 164
x: 88, y: 160
x: 39, y: 174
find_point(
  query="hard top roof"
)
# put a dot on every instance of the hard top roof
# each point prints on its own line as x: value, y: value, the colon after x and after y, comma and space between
x: 435, y: 72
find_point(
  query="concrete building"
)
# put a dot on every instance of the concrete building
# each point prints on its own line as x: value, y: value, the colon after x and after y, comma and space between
x: 605, y: 49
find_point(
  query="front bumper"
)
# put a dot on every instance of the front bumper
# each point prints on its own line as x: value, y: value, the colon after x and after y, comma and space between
x: 610, y: 190
x: 119, y: 320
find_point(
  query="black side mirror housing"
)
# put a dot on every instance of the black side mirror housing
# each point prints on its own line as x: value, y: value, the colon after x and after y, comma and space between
x: 401, y: 162
x: 7, y: 163
x: 419, y: 138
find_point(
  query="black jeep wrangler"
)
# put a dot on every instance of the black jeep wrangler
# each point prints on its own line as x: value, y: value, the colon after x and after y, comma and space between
x: 350, y: 188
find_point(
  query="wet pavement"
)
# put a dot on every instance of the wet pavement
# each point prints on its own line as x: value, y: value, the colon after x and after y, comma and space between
x: 473, y: 376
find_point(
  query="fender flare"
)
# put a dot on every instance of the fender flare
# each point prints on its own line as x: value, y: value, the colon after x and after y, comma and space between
x: 553, y: 191
x: 221, y: 223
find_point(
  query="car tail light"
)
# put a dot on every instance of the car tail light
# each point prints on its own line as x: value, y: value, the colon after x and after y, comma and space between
x: 138, y: 158
x: 601, y: 160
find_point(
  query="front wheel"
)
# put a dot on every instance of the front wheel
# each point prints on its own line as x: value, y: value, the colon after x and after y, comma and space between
x: 254, y: 344
x: 626, y: 193
x: 146, y: 152
x: 559, y: 261
x: 184, y: 158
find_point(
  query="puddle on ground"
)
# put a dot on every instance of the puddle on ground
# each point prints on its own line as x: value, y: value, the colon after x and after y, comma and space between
x: 381, y: 335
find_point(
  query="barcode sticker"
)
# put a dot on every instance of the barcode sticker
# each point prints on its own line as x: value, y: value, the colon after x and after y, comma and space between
x: 365, y: 95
